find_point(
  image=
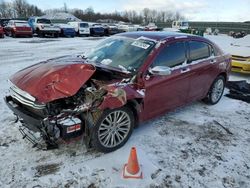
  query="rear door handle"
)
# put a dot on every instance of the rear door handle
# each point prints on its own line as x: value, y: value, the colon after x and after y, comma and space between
x: 185, y: 70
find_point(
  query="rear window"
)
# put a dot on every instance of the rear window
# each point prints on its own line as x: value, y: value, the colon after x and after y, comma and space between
x: 84, y: 25
x: 44, y: 21
x: 198, y: 50
x: 21, y: 24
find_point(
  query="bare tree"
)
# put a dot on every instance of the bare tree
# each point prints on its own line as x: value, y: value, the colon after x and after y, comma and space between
x: 24, y: 9
x: 21, y: 7
x: 65, y: 7
x: 161, y: 16
x: 169, y: 16
x: 6, y: 10
x: 153, y: 15
x: 145, y: 14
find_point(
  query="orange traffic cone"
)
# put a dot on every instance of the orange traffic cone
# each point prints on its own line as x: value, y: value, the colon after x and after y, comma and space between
x: 132, y: 168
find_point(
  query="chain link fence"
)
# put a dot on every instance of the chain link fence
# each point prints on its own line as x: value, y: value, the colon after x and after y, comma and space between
x: 224, y: 27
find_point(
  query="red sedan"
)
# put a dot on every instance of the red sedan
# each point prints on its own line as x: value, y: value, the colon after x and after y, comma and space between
x: 16, y: 28
x: 127, y: 79
x: 1, y: 32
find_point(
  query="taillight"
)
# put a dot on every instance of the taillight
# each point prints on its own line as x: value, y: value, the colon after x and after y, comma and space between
x: 14, y: 28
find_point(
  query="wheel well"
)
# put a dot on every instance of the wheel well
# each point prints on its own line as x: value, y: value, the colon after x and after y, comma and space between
x: 224, y: 75
x: 134, y: 105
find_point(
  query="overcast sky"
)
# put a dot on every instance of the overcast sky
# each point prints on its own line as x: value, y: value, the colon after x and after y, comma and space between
x: 193, y: 10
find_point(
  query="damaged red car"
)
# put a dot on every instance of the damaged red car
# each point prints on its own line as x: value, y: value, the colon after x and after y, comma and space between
x: 125, y: 80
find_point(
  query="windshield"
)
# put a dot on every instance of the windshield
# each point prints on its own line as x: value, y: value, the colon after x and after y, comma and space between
x: 44, y: 21
x: 184, y: 23
x: 84, y: 25
x: 121, y: 52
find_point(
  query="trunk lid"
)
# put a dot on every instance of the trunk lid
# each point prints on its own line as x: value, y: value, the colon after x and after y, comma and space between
x: 22, y: 26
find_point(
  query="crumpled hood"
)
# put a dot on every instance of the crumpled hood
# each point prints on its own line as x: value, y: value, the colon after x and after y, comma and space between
x: 54, y: 79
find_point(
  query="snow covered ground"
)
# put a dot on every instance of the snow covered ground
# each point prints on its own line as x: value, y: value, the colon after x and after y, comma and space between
x: 184, y: 148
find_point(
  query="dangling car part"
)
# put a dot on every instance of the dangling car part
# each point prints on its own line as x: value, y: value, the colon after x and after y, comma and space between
x: 127, y: 79
x: 239, y: 90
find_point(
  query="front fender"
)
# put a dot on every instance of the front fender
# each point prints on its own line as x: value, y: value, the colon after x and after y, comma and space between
x: 119, y: 96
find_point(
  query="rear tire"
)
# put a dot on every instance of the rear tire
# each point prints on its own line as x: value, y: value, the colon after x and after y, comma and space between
x: 56, y: 35
x: 13, y: 34
x: 113, y: 129
x: 216, y: 91
x: 39, y: 33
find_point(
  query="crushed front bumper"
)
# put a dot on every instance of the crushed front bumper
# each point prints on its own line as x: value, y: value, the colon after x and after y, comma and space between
x: 33, y: 124
x: 31, y: 121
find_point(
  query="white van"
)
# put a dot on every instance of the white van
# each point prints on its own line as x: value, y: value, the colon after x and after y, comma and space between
x: 81, y: 28
x: 180, y: 25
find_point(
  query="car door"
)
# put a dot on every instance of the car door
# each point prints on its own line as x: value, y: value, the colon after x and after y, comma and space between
x: 164, y: 93
x: 201, y: 61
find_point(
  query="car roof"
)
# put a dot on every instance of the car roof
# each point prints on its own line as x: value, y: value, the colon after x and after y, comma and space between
x: 22, y: 21
x: 38, y: 17
x: 158, y: 35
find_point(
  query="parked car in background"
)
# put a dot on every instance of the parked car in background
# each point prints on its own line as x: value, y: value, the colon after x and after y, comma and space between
x: 110, y: 29
x: 151, y: 27
x: 182, y: 25
x: 43, y: 27
x: 126, y: 79
x: 1, y: 32
x: 67, y: 30
x: 126, y: 28
x: 81, y: 28
x: 139, y: 28
x: 16, y: 28
x: 123, y: 28
x: 241, y: 64
x: 240, y: 34
x: 96, y: 30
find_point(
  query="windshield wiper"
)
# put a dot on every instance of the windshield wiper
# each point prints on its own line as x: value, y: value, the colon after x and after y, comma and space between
x: 82, y: 56
x: 122, y: 68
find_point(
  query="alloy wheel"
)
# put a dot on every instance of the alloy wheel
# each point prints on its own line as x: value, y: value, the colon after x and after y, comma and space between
x: 114, y: 128
x: 217, y: 90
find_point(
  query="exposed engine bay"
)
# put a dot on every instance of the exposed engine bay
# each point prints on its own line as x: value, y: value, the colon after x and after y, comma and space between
x: 66, y: 118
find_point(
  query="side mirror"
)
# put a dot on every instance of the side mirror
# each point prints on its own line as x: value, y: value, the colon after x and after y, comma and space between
x: 160, y: 70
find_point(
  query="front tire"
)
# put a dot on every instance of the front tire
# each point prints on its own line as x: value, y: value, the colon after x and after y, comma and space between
x: 216, y: 91
x: 113, y: 129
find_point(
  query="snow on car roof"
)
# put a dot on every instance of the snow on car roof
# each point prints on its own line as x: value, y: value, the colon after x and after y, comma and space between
x: 20, y: 21
x: 156, y: 35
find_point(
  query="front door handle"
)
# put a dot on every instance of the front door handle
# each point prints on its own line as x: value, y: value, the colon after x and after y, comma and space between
x: 185, y: 70
x: 213, y: 61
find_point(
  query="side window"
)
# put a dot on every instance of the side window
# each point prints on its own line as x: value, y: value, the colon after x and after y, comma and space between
x: 198, y: 50
x: 172, y: 55
x: 213, y: 51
